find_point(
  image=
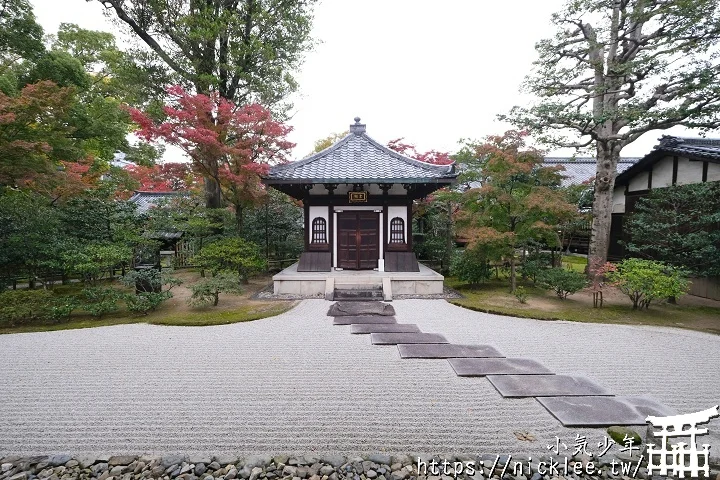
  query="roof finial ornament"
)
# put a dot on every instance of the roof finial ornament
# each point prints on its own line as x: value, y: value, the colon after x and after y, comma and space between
x: 357, y: 128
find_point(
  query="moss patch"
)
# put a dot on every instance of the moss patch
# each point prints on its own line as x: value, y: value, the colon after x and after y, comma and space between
x: 495, y: 297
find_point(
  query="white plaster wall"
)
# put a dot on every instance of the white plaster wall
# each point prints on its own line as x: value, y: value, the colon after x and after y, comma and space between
x: 639, y: 182
x: 619, y: 199
x: 662, y: 173
x: 397, y: 212
x: 689, y: 172
x: 713, y: 174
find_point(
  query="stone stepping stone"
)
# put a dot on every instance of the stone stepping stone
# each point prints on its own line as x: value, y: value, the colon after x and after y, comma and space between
x: 384, y: 328
x: 480, y: 367
x: 395, y: 338
x: 649, y: 406
x: 340, y: 309
x: 516, y: 386
x: 447, y: 350
x: 593, y: 411
x: 364, y: 319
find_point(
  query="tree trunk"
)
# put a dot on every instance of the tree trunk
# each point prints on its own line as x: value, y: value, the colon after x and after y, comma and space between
x: 239, y: 219
x: 212, y: 193
x: 607, y: 158
x: 513, y: 280
x: 448, y: 242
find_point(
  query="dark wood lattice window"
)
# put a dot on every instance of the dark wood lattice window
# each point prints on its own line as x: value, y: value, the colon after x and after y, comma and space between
x: 319, y: 230
x: 397, y: 230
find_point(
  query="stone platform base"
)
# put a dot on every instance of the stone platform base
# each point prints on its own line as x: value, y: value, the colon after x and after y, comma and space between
x: 292, y: 282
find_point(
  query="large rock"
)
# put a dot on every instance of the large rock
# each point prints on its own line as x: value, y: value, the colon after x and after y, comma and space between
x: 324, y: 470
x: 381, y: 459
x: 226, y: 459
x: 172, y: 460
x: 255, y: 473
x: 120, y: 460
x: 257, y: 461
x: 618, y: 434
x: 57, y: 460
x: 334, y: 460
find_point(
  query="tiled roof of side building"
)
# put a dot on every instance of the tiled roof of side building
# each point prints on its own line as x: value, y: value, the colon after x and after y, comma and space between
x: 144, y: 201
x: 697, y: 149
x: 581, y: 169
x: 357, y: 158
x: 708, y: 148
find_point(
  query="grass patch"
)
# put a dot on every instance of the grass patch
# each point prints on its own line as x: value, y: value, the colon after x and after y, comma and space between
x: 575, y: 263
x: 173, y: 312
x: 210, y: 316
x: 495, y: 297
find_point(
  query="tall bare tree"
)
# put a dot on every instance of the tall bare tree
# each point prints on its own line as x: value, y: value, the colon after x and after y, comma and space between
x: 615, y: 70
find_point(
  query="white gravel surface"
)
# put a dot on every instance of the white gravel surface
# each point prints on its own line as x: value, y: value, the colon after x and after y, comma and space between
x: 297, y: 384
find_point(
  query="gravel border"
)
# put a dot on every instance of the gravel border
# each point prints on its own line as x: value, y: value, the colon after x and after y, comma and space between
x: 370, y: 467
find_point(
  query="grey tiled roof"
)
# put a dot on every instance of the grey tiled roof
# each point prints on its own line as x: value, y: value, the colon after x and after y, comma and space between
x: 702, y: 148
x: 147, y: 200
x: 581, y: 169
x: 699, y: 149
x: 357, y: 158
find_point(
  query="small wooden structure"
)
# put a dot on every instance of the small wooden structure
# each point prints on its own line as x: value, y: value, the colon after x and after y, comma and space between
x: 357, y: 197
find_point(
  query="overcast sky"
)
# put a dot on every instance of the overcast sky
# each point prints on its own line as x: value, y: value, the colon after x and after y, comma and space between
x: 432, y: 72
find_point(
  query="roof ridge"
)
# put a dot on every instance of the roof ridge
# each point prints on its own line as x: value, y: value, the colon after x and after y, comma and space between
x: 336, y: 146
x: 409, y: 160
x: 317, y: 155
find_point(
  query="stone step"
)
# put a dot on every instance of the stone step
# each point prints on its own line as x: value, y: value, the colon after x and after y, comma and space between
x: 370, y: 285
x: 358, y: 294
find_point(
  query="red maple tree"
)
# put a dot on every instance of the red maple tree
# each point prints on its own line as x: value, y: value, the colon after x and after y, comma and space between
x: 165, y: 177
x: 409, y: 150
x: 230, y: 146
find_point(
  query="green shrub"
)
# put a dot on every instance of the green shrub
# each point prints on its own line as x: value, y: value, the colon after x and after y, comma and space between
x: 232, y: 254
x: 145, y: 302
x: 63, y: 307
x: 563, y: 282
x: 471, y: 266
x: 646, y: 280
x: 150, y: 280
x: 23, y: 306
x: 99, y: 301
x: 521, y: 294
x: 207, y: 291
x: 534, y: 264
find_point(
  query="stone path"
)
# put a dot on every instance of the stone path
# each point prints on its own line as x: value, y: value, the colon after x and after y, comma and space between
x: 296, y: 383
x: 570, y: 399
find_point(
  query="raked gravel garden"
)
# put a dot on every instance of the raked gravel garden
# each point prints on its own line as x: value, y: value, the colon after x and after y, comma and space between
x: 295, y: 397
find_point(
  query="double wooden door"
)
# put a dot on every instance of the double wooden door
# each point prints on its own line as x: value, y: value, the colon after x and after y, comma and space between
x: 358, y: 240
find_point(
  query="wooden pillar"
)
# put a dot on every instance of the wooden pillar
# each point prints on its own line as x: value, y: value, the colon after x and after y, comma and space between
x: 409, y: 226
x: 331, y: 232
x: 306, y: 232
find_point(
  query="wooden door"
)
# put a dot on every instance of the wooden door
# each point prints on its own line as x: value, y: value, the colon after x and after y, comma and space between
x: 358, y: 240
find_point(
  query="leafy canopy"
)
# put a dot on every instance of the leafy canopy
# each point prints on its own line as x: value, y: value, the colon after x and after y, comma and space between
x: 230, y: 144
x: 678, y: 225
x: 231, y: 254
x: 519, y: 199
x: 615, y: 70
x: 244, y: 50
x: 646, y: 280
